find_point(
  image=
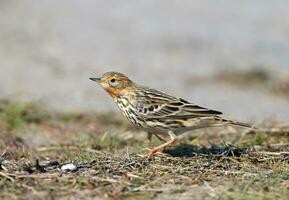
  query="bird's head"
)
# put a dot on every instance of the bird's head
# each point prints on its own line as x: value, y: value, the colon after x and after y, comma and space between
x: 113, y: 82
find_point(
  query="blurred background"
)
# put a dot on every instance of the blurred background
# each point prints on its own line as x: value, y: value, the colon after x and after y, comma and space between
x: 231, y: 56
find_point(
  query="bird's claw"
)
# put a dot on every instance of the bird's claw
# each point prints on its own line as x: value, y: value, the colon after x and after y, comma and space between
x: 150, y: 153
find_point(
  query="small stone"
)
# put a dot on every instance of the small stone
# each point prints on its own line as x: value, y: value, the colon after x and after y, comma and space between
x: 69, y: 167
x: 52, y: 163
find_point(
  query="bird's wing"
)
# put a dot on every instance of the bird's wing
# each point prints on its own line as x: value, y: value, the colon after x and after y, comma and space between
x: 151, y: 103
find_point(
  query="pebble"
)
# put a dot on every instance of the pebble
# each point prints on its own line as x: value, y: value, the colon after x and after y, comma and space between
x: 69, y: 167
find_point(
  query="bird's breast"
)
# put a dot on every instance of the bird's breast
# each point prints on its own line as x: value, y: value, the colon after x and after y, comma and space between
x: 129, y: 112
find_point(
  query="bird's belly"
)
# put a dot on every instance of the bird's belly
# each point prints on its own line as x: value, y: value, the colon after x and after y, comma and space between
x: 164, y: 126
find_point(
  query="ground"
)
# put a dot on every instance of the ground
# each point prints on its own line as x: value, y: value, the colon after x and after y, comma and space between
x: 218, y: 163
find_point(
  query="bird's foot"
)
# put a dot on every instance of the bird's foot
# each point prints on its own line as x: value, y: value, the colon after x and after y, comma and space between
x: 151, y: 153
x: 156, y: 149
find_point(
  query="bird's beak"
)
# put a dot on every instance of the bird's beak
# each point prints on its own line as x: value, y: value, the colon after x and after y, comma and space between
x: 95, y: 79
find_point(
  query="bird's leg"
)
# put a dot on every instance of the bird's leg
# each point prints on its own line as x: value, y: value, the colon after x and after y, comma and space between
x: 160, y: 138
x: 156, y: 149
x: 149, y: 138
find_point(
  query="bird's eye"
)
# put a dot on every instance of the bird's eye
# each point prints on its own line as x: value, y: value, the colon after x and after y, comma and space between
x: 113, y: 82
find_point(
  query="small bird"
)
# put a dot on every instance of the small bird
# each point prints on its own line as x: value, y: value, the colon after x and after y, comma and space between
x: 158, y: 113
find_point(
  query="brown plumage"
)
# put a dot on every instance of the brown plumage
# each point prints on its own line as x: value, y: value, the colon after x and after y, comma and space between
x: 156, y: 112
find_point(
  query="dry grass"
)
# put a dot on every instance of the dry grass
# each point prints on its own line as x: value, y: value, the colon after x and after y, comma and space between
x: 108, y: 155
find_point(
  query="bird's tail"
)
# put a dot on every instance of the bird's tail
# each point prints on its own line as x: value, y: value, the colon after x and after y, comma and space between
x: 239, y: 124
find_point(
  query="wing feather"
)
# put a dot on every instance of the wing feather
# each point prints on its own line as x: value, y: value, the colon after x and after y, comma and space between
x: 151, y: 103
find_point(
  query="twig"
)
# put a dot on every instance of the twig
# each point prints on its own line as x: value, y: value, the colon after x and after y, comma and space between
x: 270, y: 158
x: 6, y: 176
x: 273, y: 153
x: 4, y: 152
x: 232, y: 172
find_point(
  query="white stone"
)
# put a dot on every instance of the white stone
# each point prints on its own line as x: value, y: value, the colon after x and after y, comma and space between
x: 68, y: 167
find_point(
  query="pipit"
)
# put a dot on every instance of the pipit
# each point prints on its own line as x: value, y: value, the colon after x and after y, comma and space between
x: 158, y: 113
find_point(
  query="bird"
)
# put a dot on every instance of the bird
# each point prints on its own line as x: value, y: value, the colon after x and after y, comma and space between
x: 158, y: 113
